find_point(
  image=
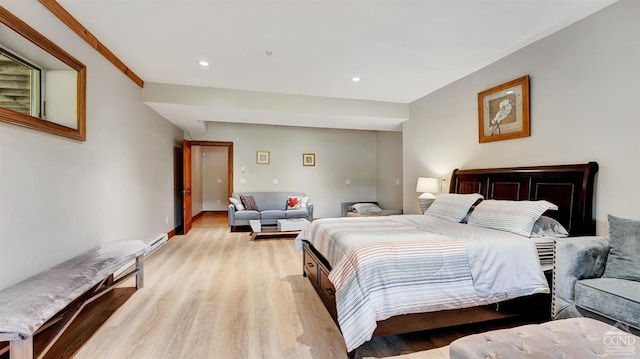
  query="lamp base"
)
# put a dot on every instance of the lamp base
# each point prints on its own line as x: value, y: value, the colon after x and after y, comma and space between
x: 424, y: 203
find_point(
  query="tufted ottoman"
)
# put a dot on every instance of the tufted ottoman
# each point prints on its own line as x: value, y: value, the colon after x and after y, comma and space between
x: 578, y: 338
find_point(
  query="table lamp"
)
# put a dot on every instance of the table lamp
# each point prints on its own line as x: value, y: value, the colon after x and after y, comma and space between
x: 427, y: 186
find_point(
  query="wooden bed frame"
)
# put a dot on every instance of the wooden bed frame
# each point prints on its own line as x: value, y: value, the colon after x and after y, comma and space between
x: 570, y: 187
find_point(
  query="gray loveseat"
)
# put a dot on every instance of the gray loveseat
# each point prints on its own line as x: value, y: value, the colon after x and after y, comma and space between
x: 579, y: 288
x: 271, y: 207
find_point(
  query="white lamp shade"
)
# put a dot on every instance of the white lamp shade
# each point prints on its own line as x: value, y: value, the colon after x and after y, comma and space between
x: 427, y: 185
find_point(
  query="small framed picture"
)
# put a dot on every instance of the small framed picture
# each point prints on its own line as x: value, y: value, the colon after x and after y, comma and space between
x: 308, y: 159
x: 503, y: 111
x: 263, y: 157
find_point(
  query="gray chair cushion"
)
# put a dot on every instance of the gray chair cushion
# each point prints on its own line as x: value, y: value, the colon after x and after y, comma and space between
x: 296, y: 213
x: 272, y: 214
x: 247, y: 215
x: 616, y: 299
x: 624, y: 257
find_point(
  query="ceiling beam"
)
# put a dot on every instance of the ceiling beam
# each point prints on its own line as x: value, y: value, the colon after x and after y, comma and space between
x: 78, y: 28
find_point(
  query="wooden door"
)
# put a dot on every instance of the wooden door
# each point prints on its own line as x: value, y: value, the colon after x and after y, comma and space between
x: 186, y: 192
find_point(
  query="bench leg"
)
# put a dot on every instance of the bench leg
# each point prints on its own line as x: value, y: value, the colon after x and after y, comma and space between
x: 21, y: 349
x: 140, y: 272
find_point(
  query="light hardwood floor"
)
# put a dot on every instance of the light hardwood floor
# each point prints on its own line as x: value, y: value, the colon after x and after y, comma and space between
x: 215, y: 294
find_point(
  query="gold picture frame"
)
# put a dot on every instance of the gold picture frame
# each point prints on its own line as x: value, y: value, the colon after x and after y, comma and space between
x: 308, y: 159
x: 503, y: 111
x: 263, y: 157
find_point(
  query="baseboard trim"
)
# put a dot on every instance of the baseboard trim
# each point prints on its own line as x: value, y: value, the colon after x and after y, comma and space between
x: 200, y: 214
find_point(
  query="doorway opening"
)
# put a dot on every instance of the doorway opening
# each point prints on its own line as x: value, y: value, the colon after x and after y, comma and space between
x: 209, y: 181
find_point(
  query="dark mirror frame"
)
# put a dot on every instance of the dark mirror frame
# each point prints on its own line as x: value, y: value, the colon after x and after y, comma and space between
x: 39, y: 124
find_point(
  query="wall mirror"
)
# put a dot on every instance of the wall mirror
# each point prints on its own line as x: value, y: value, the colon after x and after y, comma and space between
x: 42, y: 87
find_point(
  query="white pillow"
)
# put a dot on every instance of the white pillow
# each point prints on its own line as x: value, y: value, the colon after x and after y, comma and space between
x: 304, y: 202
x: 452, y: 206
x: 512, y: 216
x: 236, y: 203
x: 366, y: 208
x: 548, y: 227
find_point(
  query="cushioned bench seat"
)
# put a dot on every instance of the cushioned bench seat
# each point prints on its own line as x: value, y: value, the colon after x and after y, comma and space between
x: 28, y: 305
x: 567, y: 338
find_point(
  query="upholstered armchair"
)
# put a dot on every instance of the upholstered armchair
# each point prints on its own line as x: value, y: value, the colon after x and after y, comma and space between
x: 590, y: 279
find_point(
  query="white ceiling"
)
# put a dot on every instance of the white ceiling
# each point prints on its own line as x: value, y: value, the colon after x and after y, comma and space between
x: 401, y: 49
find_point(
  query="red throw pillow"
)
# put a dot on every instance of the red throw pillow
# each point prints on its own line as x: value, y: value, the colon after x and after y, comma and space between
x: 293, y: 202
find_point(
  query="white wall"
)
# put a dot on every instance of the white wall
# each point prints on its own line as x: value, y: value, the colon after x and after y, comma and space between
x: 196, y: 180
x: 340, y: 155
x: 584, y: 107
x: 214, y: 178
x: 60, y: 197
x: 389, y: 169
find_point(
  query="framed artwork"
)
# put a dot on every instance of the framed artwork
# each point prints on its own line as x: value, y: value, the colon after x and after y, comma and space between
x: 503, y: 111
x: 308, y: 159
x: 263, y: 157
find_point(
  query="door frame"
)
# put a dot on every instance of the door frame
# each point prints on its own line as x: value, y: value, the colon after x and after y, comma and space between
x: 229, y: 147
x: 187, y: 206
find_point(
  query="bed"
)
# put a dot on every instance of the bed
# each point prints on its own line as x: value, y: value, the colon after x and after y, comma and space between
x: 570, y: 187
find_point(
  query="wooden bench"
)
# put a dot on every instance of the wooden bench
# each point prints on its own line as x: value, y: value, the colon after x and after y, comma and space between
x: 57, y: 295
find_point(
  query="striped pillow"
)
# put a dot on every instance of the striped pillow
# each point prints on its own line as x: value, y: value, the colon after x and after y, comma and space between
x: 249, y: 203
x: 452, y: 206
x: 512, y: 216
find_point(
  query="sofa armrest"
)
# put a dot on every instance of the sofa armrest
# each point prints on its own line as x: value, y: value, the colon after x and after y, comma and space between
x: 310, y: 210
x: 232, y: 215
x: 575, y: 258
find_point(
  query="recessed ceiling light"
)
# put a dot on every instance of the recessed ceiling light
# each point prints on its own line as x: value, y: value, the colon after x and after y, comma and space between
x: 355, y: 79
x: 203, y: 63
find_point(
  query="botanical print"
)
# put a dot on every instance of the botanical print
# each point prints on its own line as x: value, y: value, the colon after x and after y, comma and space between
x: 503, y: 111
x: 500, y: 111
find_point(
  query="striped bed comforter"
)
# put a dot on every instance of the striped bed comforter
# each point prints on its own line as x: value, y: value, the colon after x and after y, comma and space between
x: 388, y: 266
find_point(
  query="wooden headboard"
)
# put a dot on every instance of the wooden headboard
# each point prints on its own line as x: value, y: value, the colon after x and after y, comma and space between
x: 570, y: 187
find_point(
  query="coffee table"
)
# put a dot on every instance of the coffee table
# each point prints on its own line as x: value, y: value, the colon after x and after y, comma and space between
x: 284, y: 228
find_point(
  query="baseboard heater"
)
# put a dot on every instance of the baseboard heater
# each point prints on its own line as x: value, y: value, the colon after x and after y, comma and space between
x: 157, y: 243
x: 153, y: 244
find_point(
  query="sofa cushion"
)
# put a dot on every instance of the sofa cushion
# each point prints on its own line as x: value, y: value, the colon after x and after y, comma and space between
x: 272, y: 214
x: 296, y: 213
x: 247, y: 215
x: 616, y: 299
x: 624, y: 256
